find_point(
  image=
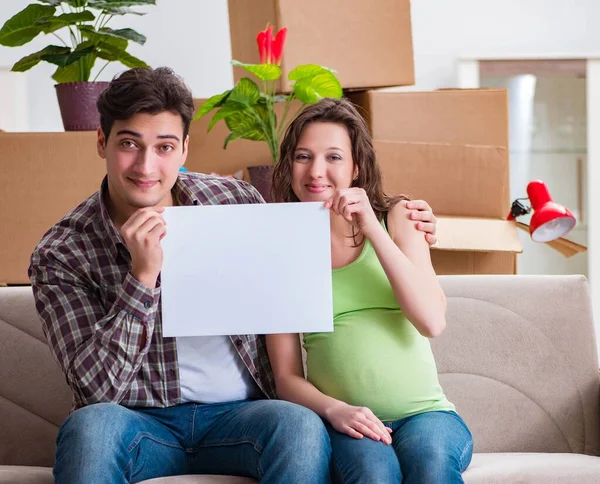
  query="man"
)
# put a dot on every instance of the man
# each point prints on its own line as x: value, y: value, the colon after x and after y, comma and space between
x: 147, y: 406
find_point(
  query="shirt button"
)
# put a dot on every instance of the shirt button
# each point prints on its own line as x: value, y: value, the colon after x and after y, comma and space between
x: 148, y: 304
x: 238, y: 342
x: 256, y: 374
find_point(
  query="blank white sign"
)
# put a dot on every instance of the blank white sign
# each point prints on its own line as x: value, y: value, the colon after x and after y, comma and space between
x: 246, y: 269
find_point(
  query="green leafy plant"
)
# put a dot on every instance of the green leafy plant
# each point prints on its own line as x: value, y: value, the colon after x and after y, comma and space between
x: 249, y: 112
x: 89, y: 38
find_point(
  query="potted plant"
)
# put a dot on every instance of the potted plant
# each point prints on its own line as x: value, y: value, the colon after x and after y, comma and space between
x: 82, y: 36
x: 248, y: 110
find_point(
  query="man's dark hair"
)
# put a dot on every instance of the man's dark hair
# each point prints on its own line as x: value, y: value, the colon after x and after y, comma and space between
x: 145, y: 90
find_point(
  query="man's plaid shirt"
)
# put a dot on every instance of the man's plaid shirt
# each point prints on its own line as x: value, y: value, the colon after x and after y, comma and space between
x: 103, y: 326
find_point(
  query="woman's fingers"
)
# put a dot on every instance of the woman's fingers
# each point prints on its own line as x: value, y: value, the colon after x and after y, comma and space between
x: 378, y: 426
x: 353, y: 433
x: 383, y: 431
x: 340, y: 199
x: 347, y: 202
x: 349, y: 209
x: 367, y: 430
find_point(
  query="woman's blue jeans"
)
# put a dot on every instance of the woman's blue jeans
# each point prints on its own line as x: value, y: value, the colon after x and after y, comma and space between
x: 428, y: 448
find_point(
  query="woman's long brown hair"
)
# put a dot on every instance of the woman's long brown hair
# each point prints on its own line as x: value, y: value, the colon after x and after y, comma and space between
x: 344, y: 113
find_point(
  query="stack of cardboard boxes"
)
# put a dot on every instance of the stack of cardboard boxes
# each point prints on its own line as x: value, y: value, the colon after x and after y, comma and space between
x: 448, y: 147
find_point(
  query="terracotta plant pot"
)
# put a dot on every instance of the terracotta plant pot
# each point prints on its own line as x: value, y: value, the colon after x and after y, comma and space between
x: 77, y: 102
x: 260, y: 177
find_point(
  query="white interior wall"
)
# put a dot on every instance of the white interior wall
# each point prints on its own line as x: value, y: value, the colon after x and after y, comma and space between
x: 446, y: 30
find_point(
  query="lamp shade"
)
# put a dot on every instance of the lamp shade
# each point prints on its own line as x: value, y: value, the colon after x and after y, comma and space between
x: 550, y: 220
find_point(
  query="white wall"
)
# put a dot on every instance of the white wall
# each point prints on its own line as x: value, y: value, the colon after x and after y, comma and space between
x: 192, y: 36
x: 444, y: 30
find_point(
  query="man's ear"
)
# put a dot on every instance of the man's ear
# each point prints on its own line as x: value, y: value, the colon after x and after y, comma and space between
x: 101, y: 143
x: 186, y: 144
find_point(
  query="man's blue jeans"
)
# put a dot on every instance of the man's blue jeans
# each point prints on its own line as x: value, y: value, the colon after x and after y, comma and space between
x: 270, y: 440
x: 428, y: 448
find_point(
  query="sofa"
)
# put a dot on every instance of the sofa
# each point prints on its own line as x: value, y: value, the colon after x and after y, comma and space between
x: 518, y: 360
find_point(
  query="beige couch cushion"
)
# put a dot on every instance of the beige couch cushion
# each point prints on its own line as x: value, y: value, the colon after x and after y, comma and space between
x: 484, y: 469
x: 43, y: 475
x: 201, y: 480
x: 25, y: 475
x: 519, y: 361
x: 34, y: 396
x: 533, y: 469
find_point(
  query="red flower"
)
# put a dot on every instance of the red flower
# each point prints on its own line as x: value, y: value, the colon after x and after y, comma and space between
x: 269, y: 47
x: 264, y: 39
x: 278, y: 44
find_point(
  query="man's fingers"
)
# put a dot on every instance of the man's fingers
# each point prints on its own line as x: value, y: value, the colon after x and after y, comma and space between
x: 426, y: 227
x: 158, y: 231
x: 138, y: 219
x: 151, y: 223
x: 422, y: 216
x: 418, y: 205
x: 431, y: 239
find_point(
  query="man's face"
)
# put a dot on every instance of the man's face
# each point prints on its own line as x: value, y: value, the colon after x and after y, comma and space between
x: 143, y: 155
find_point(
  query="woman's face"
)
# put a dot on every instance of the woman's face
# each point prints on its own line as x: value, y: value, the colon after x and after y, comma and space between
x: 322, y: 162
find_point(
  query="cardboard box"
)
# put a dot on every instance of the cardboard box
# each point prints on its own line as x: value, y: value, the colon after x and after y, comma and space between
x: 369, y: 44
x: 206, y: 153
x: 455, y: 179
x: 450, y: 148
x: 453, y: 116
x: 42, y: 177
x: 475, y: 246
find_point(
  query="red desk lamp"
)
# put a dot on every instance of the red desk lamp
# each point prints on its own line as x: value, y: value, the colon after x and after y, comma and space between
x: 549, y: 221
